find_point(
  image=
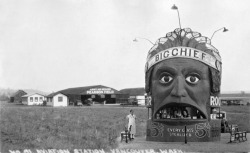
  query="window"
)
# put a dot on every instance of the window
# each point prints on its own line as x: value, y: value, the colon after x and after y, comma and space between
x: 36, y: 99
x: 92, y: 96
x: 60, y: 99
x: 41, y: 99
x: 113, y: 96
x: 102, y: 96
x: 31, y: 99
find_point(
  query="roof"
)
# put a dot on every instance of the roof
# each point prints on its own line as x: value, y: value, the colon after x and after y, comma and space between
x: 30, y: 94
x: 234, y: 98
x: 18, y: 93
x: 133, y: 91
x: 55, y: 93
x: 83, y: 90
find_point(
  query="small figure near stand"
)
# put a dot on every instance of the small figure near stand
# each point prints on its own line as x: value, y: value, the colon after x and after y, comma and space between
x: 131, y: 123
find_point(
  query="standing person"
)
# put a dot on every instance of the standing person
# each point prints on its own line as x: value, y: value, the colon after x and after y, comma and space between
x: 131, y: 123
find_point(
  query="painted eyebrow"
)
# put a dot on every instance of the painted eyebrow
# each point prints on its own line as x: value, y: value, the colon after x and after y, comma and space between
x: 166, y: 69
x: 185, y: 70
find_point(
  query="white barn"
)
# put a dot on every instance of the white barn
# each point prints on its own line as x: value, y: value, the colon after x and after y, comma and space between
x: 57, y: 99
x: 33, y: 99
x: 137, y: 94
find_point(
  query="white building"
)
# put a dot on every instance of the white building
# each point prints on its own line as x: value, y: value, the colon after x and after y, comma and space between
x: 57, y: 99
x: 33, y: 99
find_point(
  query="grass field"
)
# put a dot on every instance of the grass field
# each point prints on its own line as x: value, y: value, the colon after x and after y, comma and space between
x: 40, y: 127
x: 238, y: 115
x: 64, y: 128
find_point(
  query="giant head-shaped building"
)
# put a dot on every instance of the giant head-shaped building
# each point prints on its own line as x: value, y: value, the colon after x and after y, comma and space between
x: 183, y: 77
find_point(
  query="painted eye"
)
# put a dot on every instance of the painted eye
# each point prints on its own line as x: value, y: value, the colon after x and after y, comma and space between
x: 193, y: 79
x: 166, y: 79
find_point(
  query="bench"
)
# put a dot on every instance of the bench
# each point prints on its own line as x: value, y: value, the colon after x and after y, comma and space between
x: 236, y: 135
x: 126, y: 135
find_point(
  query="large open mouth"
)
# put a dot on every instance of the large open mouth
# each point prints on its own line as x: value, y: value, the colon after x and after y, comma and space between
x: 177, y: 111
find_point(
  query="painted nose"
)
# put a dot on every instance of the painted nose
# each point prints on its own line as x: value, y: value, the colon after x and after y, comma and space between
x: 179, y: 88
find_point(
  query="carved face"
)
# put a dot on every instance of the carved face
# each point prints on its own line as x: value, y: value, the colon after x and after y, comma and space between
x: 179, y: 84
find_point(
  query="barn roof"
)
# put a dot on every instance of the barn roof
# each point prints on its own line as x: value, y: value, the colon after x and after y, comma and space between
x: 133, y: 91
x: 83, y: 90
x: 55, y: 93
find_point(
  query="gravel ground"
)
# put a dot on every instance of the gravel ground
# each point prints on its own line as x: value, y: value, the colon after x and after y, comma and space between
x: 218, y: 146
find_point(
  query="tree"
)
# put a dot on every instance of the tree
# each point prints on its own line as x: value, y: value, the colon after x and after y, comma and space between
x: 242, y: 92
x: 4, y: 97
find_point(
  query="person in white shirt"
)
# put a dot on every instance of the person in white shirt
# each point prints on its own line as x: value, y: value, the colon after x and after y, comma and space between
x: 131, y: 123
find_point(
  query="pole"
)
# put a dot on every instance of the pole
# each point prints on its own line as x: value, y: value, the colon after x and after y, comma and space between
x: 219, y: 113
x: 148, y: 112
x: 215, y: 32
x: 185, y: 134
x: 146, y: 39
x: 179, y: 18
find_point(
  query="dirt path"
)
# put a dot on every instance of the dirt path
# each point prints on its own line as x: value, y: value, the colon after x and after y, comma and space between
x: 219, y: 146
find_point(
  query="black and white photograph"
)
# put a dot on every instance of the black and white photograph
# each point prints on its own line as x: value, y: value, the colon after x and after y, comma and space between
x: 124, y: 76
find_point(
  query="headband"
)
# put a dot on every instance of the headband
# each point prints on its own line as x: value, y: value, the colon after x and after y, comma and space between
x: 184, y: 52
x: 184, y: 43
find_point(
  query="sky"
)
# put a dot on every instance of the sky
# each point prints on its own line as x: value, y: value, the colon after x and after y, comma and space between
x: 50, y: 45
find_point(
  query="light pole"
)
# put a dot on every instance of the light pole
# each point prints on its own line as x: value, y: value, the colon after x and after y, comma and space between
x: 135, y: 40
x: 176, y: 8
x: 224, y: 30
